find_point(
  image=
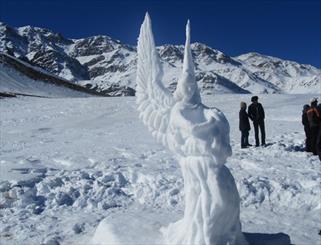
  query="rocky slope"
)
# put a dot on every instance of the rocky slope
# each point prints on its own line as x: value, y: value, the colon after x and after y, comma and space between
x: 107, y: 65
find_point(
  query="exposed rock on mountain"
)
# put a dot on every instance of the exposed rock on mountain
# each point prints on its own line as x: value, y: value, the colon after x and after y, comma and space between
x: 60, y: 64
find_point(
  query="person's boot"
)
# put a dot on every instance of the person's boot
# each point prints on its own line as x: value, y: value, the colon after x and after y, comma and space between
x: 247, y: 142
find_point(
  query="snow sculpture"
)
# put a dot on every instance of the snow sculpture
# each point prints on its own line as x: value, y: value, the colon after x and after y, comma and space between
x: 199, y: 138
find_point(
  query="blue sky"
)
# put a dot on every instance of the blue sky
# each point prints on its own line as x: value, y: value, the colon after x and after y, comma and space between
x: 289, y: 29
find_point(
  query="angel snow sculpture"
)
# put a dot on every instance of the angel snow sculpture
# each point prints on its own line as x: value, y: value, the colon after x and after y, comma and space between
x: 199, y: 138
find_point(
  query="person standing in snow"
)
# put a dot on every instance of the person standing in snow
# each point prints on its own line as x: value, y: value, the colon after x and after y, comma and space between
x: 306, y: 126
x: 244, y: 126
x: 314, y: 123
x: 318, y: 145
x: 257, y: 115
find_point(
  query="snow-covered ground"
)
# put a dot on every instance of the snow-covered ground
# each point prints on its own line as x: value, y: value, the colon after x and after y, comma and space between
x: 68, y: 163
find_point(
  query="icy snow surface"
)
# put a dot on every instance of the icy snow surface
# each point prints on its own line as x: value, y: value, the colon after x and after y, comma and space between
x: 68, y: 163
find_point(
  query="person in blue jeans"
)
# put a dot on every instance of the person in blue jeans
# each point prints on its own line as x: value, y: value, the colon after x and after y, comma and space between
x: 244, y: 126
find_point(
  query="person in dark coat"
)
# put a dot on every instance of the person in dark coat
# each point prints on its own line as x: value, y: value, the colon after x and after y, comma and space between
x: 319, y: 143
x: 244, y: 126
x: 319, y: 134
x: 306, y: 126
x: 319, y: 108
x: 314, y: 123
x: 257, y: 115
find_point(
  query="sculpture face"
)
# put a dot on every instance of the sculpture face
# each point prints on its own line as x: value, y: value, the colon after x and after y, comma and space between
x: 199, y: 137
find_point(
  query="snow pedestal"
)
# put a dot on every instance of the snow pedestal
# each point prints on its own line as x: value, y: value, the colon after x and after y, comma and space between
x: 137, y: 225
x: 121, y: 231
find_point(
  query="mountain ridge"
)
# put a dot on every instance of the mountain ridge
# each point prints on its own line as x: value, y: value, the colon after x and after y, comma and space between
x: 105, y: 64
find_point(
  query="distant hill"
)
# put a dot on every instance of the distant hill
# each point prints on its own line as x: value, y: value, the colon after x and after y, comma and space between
x: 20, y: 78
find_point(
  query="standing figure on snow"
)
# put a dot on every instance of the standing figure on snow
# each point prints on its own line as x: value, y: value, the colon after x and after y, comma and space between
x: 256, y: 114
x: 314, y: 123
x: 244, y: 126
x: 199, y: 138
x: 319, y: 134
x: 306, y: 126
x: 318, y: 146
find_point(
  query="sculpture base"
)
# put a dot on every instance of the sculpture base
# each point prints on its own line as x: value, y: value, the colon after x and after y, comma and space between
x: 142, y: 226
x: 137, y: 225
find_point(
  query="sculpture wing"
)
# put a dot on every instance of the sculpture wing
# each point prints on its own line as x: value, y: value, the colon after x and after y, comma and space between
x: 153, y: 99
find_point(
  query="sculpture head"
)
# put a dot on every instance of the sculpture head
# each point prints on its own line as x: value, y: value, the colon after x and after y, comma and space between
x: 187, y: 89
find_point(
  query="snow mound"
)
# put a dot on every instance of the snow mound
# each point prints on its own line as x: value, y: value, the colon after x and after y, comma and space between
x: 136, y: 226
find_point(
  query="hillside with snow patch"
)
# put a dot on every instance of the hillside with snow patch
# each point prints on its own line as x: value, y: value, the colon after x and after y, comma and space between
x: 20, y: 78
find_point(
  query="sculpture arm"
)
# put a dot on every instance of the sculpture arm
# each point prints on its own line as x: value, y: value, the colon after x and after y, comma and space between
x: 196, y: 129
x: 203, y: 128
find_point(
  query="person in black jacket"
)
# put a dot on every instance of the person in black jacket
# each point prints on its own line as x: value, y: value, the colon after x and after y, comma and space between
x: 244, y: 126
x: 319, y: 145
x: 319, y: 134
x: 314, y: 123
x: 256, y: 114
x: 307, y: 130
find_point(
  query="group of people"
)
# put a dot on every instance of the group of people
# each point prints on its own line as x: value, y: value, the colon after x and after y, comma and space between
x: 256, y: 114
x: 311, y: 120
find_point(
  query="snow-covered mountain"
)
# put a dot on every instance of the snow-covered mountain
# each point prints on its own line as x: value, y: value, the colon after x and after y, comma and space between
x: 107, y: 65
x: 289, y: 76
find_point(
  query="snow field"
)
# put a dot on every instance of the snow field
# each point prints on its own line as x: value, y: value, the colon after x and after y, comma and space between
x: 68, y: 163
